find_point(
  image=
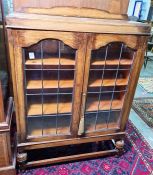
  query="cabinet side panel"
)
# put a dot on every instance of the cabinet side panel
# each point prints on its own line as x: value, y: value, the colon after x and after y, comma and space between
x: 4, y: 156
x: 20, y: 88
x: 137, y: 65
x: 10, y: 35
x: 17, y: 70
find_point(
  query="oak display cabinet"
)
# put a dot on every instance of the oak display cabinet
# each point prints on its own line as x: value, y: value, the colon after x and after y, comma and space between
x: 74, y: 81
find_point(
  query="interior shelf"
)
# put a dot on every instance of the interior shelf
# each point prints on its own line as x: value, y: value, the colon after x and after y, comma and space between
x: 92, y: 105
x: 36, y: 108
x: 50, y: 61
x: 39, y: 126
x: 108, y: 82
x: 47, y: 126
x: 90, y: 121
x: 70, y: 61
x: 49, y: 107
x: 38, y: 84
x: 101, y: 125
x: 102, y: 121
x: 99, y: 61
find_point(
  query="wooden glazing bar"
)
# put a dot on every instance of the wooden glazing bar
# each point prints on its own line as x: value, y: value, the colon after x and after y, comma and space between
x: 42, y: 94
x: 112, y: 98
x: 101, y: 87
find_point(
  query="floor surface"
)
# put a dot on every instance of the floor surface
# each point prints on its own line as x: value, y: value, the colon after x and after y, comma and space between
x: 143, y: 128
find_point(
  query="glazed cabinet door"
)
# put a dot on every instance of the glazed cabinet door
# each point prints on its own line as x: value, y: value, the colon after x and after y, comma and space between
x: 49, y: 76
x: 113, y: 64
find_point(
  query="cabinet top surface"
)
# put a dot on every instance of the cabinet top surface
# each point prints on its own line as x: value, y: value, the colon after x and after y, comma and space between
x: 75, y: 24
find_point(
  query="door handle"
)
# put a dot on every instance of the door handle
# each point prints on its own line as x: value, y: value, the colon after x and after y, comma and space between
x: 81, y: 125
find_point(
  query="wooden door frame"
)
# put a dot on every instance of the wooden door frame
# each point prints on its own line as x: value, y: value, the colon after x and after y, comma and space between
x: 133, y: 79
x: 20, y: 40
x: 96, y: 41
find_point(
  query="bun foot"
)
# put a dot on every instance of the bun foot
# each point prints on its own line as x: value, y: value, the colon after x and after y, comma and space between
x: 21, y: 160
x: 120, y: 147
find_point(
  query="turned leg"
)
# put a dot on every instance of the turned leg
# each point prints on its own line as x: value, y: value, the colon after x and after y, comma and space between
x: 119, y: 144
x: 21, y: 160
